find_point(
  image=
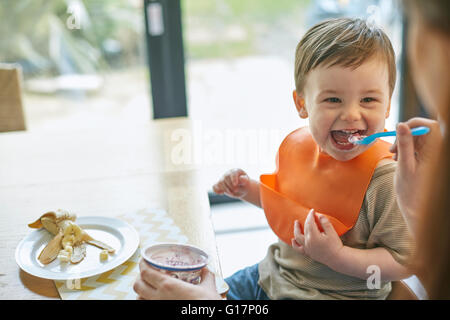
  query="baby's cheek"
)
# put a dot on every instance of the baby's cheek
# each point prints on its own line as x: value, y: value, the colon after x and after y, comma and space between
x: 376, y: 118
x: 377, y: 125
x: 318, y: 135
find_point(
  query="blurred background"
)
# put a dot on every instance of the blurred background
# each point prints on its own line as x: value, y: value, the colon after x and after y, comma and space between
x: 87, y: 64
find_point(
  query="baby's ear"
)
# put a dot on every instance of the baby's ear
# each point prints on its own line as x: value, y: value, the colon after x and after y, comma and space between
x: 300, y: 104
x: 388, y: 109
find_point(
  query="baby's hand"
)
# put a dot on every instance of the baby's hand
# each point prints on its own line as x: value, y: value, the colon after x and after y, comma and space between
x: 320, y: 246
x: 234, y: 183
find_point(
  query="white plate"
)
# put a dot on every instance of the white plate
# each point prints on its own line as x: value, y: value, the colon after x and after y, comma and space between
x: 114, y: 232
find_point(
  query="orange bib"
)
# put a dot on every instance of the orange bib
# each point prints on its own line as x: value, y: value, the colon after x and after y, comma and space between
x: 306, y: 178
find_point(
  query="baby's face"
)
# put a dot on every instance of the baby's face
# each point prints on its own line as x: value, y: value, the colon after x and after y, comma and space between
x: 339, y: 101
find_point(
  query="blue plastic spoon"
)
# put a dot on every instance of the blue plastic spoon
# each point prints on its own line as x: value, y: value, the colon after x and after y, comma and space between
x: 369, y: 139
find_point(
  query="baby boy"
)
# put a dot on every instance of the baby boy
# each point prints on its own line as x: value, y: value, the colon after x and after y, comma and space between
x: 330, y: 202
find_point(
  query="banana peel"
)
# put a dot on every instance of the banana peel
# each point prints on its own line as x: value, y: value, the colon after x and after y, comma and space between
x: 51, y: 219
x: 101, y: 245
x: 69, y: 241
x: 51, y: 250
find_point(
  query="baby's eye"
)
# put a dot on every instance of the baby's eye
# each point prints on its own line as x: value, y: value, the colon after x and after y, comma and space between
x: 333, y: 100
x: 368, y: 99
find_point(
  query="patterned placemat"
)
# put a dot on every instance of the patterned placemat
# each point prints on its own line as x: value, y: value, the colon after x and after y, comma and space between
x: 153, y: 225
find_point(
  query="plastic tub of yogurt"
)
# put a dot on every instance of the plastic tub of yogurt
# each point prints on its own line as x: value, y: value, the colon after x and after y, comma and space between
x: 180, y: 261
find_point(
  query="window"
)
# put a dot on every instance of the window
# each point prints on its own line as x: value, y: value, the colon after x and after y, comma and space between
x: 239, y: 73
x: 83, y: 62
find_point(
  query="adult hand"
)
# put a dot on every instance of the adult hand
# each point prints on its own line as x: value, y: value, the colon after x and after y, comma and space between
x: 152, y: 284
x: 414, y: 155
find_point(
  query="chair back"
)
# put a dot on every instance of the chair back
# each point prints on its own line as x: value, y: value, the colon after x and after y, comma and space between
x: 11, y: 110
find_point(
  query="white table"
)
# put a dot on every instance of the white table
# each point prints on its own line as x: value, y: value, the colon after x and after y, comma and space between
x: 103, y: 172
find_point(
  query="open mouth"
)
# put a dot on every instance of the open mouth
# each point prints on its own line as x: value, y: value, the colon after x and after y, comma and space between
x: 342, y: 138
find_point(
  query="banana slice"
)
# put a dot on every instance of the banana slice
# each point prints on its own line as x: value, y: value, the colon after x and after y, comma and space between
x: 63, y: 256
x: 104, y: 255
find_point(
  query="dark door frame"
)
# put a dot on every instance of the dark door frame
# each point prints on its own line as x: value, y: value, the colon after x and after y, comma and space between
x: 165, y: 56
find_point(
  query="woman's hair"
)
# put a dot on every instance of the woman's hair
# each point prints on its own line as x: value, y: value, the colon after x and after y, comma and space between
x: 433, y: 232
x: 434, y: 12
x: 345, y: 42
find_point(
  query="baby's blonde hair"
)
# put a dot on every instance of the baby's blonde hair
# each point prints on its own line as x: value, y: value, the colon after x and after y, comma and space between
x: 345, y: 42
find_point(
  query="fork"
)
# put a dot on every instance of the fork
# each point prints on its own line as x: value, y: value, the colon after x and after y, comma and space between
x: 369, y: 139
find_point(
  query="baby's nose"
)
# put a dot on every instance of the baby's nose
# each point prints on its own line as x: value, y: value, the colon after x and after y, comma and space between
x: 351, y: 113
